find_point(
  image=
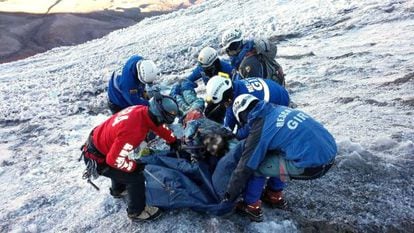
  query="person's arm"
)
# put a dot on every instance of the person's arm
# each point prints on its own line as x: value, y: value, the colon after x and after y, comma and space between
x: 247, y: 47
x: 137, y: 99
x: 132, y: 92
x: 226, y: 67
x: 129, y: 68
x: 117, y: 156
x: 230, y: 120
x: 243, y: 172
x: 242, y: 132
x: 195, y: 75
x: 165, y: 133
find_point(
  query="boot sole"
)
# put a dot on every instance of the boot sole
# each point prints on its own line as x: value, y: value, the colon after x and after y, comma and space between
x: 250, y: 216
x: 153, y: 217
x: 282, y: 206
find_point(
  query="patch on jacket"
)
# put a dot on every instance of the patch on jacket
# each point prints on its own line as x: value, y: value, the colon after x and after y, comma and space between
x: 248, y: 69
x: 133, y: 91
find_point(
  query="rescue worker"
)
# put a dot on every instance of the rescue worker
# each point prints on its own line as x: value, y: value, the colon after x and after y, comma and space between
x: 283, y: 143
x: 221, y: 91
x: 109, y: 146
x: 133, y: 85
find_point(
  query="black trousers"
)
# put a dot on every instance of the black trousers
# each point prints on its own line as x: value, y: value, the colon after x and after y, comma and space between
x: 133, y: 182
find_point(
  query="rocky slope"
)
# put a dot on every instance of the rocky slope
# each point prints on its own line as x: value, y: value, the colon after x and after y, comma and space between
x: 37, y: 28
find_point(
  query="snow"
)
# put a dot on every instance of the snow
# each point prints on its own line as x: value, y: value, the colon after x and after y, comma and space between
x: 349, y: 64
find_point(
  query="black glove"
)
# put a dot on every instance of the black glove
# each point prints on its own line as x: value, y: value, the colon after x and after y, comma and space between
x: 140, y: 165
x: 176, y: 145
x: 226, y: 197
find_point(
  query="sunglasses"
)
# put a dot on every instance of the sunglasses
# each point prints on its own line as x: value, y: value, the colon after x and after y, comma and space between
x: 233, y: 47
x: 209, y: 68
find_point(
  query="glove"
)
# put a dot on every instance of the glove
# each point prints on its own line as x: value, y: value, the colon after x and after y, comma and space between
x: 140, y: 165
x: 176, y: 145
x: 150, y: 136
x: 152, y: 90
x: 193, y: 159
x: 226, y: 198
x: 280, y: 72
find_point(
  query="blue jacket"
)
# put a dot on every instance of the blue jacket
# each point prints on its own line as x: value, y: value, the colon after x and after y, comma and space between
x: 126, y: 90
x: 198, y: 72
x: 298, y: 137
x: 247, y: 46
x: 264, y: 89
x: 302, y: 139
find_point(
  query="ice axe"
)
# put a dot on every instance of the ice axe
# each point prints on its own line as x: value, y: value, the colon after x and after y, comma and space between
x: 168, y: 189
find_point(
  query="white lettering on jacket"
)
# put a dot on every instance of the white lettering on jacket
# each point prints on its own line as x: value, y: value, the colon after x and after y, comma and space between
x: 121, y: 161
x: 294, y: 122
x: 281, y: 118
x: 122, y: 115
x: 299, y: 118
x: 253, y: 84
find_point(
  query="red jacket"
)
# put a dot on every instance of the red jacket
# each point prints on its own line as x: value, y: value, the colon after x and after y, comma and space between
x: 119, y: 135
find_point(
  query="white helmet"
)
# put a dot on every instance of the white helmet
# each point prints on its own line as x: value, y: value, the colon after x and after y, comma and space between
x: 216, y: 87
x: 207, y: 56
x: 241, y: 103
x: 230, y: 36
x: 147, y: 71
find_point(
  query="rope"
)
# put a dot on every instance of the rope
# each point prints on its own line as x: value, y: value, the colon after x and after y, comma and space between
x: 91, y: 172
x: 168, y: 189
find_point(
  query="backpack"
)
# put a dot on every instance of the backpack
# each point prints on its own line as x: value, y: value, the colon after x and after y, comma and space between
x: 266, y: 52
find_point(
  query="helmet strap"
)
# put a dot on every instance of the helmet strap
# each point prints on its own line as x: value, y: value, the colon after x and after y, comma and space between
x: 227, y: 103
x: 244, y: 115
x: 154, y: 118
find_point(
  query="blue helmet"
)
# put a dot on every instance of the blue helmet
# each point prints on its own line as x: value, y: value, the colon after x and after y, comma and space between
x: 163, y: 109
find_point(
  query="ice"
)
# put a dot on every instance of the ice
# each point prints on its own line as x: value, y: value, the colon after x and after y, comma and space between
x: 349, y: 64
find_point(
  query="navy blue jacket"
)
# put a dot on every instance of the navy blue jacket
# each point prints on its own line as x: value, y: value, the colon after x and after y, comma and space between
x: 126, y: 90
x: 247, y: 46
x: 264, y: 89
x: 198, y: 72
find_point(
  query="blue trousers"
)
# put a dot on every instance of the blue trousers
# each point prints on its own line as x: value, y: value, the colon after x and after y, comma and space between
x: 255, y: 187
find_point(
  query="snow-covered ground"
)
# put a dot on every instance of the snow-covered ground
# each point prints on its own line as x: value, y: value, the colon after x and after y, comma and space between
x: 350, y: 64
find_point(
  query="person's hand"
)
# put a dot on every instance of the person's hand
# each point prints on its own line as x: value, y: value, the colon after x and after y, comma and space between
x: 152, y: 90
x: 140, y: 165
x: 176, y: 145
x: 280, y: 72
x: 226, y: 198
x: 193, y: 159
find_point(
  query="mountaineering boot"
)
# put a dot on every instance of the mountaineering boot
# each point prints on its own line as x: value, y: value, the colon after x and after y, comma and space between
x: 274, y: 199
x: 253, y: 211
x: 149, y: 213
x: 117, y: 193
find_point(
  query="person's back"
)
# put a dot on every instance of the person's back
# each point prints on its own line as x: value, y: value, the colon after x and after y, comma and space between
x: 265, y: 89
x: 128, y: 88
x: 250, y: 67
x: 127, y: 128
x: 302, y: 139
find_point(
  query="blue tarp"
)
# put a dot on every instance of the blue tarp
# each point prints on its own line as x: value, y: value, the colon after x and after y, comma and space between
x: 177, y: 183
